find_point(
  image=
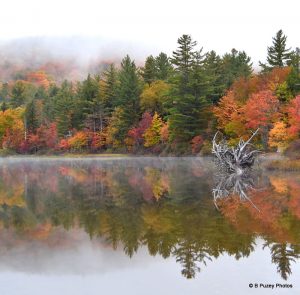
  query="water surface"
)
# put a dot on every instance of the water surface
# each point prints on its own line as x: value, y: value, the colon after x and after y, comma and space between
x: 145, y: 225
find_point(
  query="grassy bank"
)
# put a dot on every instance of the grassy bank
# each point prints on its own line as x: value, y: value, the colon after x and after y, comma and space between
x: 70, y: 155
x: 63, y: 155
x: 284, y: 164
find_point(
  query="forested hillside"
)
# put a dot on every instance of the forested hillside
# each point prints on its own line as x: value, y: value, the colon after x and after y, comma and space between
x: 172, y: 105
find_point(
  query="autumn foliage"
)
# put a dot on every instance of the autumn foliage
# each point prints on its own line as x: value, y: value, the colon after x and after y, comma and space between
x: 136, y: 133
x: 164, y: 107
x: 293, y: 111
x: 152, y: 134
x: 12, y: 128
x: 39, y: 78
x: 278, y: 136
x: 197, y: 143
x: 257, y: 103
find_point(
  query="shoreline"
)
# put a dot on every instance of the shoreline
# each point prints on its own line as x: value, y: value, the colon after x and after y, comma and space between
x: 268, y: 161
x: 100, y: 156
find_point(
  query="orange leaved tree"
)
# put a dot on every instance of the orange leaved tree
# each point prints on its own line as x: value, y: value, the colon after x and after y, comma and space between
x: 261, y: 111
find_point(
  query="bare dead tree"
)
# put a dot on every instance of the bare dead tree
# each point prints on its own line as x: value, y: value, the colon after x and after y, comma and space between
x: 234, y: 159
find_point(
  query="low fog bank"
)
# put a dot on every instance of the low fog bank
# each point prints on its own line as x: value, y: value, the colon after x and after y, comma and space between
x: 64, y: 57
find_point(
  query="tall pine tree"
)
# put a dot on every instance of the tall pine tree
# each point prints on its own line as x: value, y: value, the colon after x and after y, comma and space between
x: 31, y: 117
x: 187, y: 113
x: 109, y: 88
x: 183, y: 60
x: 213, y: 70
x: 163, y: 67
x: 278, y: 53
x: 129, y: 90
x: 92, y: 107
x: 293, y: 79
x: 64, y: 105
x: 18, y: 94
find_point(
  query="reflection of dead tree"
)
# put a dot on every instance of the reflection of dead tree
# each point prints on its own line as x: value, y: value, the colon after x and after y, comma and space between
x: 234, y: 164
x: 233, y: 184
x: 234, y: 159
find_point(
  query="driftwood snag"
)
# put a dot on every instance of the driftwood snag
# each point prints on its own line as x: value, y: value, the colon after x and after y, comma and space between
x: 234, y: 159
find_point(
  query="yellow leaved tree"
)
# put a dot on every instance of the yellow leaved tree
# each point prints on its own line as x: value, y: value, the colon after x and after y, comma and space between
x: 278, y: 136
x: 152, y: 135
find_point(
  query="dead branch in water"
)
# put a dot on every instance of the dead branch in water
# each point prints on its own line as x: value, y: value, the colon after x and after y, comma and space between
x: 234, y: 159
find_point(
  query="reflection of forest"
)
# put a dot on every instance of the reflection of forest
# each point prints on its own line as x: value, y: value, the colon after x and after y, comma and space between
x: 162, y: 205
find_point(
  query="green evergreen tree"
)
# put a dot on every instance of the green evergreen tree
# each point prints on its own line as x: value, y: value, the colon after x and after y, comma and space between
x: 63, y: 105
x: 31, y: 117
x: 92, y: 107
x: 236, y: 64
x: 187, y: 108
x: 41, y: 93
x: 293, y: 79
x: 52, y: 91
x: 4, y: 93
x: 188, y: 118
x: 199, y: 79
x: 48, y: 111
x: 213, y: 70
x: 278, y: 54
x: 18, y: 94
x: 163, y: 67
x: 149, y: 72
x: 110, y: 86
x: 127, y: 108
x: 129, y: 90
x: 4, y: 106
x: 183, y: 60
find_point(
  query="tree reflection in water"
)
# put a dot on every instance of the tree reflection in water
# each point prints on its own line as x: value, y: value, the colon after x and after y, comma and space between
x: 283, y: 254
x: 164, y: 205
x: 234, y: 184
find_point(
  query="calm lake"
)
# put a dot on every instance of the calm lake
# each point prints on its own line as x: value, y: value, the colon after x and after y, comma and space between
x: 145, y: 226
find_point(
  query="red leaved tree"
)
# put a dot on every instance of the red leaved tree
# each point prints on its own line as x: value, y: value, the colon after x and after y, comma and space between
x: 136, y: 133
x: 293, y: 111
x: 260, y: 111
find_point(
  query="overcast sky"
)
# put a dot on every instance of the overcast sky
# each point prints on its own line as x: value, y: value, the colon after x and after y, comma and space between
x: 155, y: 25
